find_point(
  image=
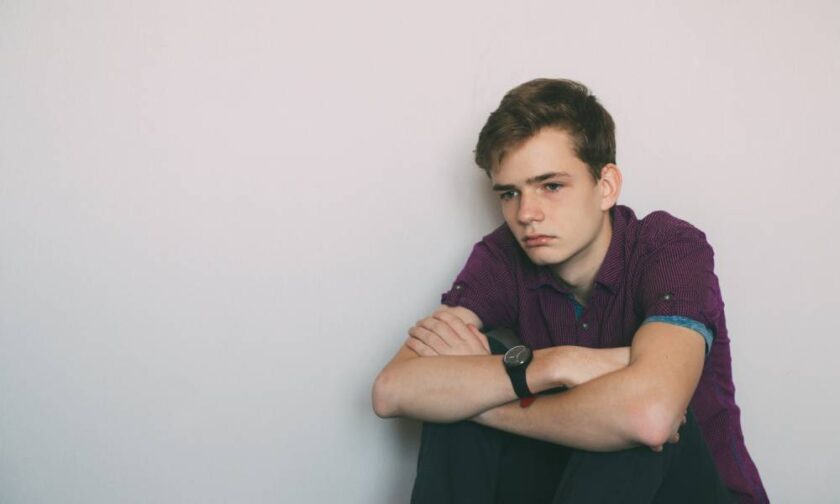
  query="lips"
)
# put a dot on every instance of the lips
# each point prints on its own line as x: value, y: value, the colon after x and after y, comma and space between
x: 537, y: 240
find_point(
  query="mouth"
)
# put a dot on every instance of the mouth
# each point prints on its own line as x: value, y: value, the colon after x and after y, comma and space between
x: 536, y: 240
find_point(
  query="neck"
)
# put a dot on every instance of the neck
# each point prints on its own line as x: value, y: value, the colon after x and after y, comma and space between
x: 579, y: 271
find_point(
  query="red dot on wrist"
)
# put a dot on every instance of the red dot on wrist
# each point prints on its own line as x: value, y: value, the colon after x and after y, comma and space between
x: 527, y: 401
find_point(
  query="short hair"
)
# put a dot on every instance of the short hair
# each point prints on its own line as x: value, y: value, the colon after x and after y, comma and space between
x: 559, y: 103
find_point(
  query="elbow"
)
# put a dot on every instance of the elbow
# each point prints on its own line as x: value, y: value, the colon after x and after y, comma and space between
x: 654, y: 422
x: 384, y: 400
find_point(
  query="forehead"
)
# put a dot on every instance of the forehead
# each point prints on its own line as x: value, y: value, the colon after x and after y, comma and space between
x: 550, y: 150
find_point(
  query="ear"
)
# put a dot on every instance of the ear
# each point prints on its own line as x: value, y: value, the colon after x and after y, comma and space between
x: 610, y: 184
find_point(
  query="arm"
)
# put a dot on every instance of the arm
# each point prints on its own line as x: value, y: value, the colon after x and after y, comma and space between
x: 441, y: 374
x: 641, y: 404
x: 432, y: 379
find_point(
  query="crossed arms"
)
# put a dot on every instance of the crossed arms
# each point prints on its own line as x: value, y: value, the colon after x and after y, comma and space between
x: 618, y: 398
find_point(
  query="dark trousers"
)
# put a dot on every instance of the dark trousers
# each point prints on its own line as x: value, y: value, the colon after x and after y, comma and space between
x: 464, y: 462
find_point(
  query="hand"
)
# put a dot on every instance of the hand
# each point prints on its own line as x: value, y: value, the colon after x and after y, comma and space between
x: 675, y: 437
x: 446, y: 334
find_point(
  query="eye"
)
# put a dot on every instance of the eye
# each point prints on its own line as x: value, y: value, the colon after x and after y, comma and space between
x: 507, y: 195
x: 552, y: 186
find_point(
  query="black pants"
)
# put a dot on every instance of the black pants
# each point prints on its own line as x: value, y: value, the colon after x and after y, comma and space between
x: 464, y: 462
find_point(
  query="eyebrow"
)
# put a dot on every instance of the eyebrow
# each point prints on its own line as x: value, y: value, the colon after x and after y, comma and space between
x: 532, y: 180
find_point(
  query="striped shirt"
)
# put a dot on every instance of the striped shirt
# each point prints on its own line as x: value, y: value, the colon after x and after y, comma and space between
x: 658, y: 268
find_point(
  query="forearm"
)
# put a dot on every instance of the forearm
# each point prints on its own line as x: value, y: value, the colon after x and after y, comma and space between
x: 601, y: 415
x: 451, y: 388
x: 641, y: 404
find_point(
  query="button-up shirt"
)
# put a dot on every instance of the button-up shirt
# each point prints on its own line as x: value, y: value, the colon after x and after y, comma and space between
x: 658, y: 268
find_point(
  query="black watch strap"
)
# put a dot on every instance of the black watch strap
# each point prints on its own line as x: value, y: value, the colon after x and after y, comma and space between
x: 520, y: 383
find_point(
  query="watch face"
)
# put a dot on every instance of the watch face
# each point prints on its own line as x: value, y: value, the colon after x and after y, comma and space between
x: 517, y: 356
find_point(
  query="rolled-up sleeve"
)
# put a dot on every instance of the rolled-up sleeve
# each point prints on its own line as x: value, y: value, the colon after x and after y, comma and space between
x: 678, y: 283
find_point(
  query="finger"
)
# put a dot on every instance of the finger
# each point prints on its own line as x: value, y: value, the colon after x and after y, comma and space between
x: 467, y: 332
x: 429, y: 338
x: 441, y: 328
x: 675, y: 437
x: 455, y: 324
x: 684, y: 419
x: 420, y: 348
x: 482, y: 338
x: 656, y: 449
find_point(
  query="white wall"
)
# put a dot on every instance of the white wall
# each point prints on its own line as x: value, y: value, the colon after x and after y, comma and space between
x: 217, y: 221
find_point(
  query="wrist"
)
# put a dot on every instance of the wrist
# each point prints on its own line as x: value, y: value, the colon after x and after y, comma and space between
x: 550, y: 368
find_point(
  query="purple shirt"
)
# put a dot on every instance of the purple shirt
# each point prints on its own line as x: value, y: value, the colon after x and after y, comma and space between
x: 655, y: 266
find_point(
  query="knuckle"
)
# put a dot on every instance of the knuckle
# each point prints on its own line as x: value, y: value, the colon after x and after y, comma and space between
x: 432, y: 328
x: 434, y: 323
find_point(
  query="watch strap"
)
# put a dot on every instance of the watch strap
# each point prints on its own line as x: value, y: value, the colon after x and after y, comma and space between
x: 520, y: 383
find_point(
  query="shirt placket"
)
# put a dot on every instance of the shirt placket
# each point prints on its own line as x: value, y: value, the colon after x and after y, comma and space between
x: 585, y: 326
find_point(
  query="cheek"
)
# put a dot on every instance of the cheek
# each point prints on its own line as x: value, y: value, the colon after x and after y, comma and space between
x: 509, y: 213
x: 580, y: 222
x: 588, y: 207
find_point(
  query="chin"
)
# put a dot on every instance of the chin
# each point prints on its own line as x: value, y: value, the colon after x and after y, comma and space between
x: 545, y: 257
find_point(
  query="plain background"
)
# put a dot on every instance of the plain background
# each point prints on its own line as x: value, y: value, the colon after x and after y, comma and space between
x: 218, y: 220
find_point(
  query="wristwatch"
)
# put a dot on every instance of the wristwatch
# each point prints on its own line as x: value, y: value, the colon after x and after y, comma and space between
x: 516, y: 361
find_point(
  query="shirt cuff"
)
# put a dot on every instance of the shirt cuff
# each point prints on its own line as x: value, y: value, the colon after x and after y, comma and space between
x: 688, y: 323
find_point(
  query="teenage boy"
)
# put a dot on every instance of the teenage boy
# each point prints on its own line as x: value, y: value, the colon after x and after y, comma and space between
x: 621, y: 390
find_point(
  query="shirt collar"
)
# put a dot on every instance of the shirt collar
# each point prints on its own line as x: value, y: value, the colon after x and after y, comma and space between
x: 609, y: 274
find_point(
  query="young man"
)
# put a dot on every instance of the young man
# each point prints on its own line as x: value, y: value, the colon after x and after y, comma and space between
x: 622, y: 390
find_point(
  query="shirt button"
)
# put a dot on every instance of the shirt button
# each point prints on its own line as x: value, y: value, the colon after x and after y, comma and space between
x: 585, y: 326
x: 458, y: 287
x: 667, y: 297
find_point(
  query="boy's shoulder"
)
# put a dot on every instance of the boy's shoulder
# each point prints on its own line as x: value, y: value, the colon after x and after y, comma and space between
x: 656, y: 230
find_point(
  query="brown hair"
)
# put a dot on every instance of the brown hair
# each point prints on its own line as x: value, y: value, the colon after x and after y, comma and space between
x: 559, y: 103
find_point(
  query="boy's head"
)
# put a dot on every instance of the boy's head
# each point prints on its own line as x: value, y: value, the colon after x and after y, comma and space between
x: 549, y: 150
x: 559, y: 103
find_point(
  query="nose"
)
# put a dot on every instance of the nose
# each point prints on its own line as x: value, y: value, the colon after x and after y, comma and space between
x: 529, y: 209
